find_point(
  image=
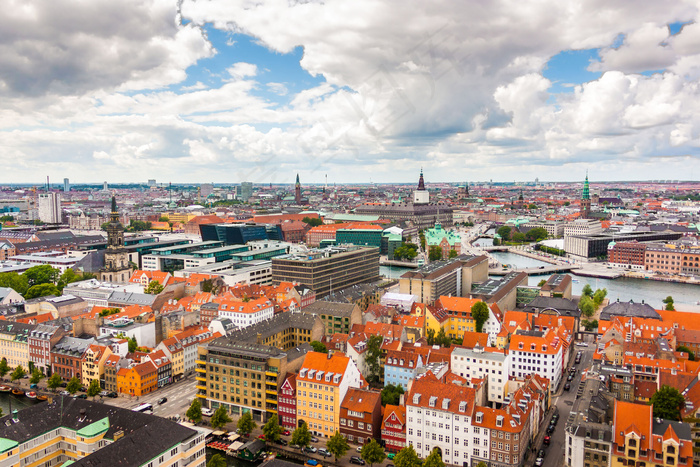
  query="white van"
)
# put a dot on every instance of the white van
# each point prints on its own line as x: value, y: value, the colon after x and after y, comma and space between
x: 207, y: 412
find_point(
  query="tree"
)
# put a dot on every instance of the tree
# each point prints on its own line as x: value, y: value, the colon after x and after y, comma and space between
x: 301, y: 436
x: 504, y: 232
x: 313, y: 221
x: 337, y: 445
x: 406, y: 251
x: 519, y: 237
x: 7, y: 218
x: 43, y: 274
x: 542, y: 282
x: 37, y: 375
x: 430, y: 336
x: 4, y: 367
x: 407, y: 457
x: 194, y: 413
x: 421, y: 237
x: 73, y: 385
x: 373, y: 453
x: 590, y: 325
x: 373, y: 355
x: 683, y: 348
x: 133, y: 345
x: 41, y: 290
x: 54, y: 381
x: 67, y: 277
x: 318, y: 347
x: 434, y: 459
x: 587, y: 291
x: 599, y: 296
x: 221, y: 418
x: 532, y: 206
x: 453, y: 254
x: 536, y: 234
x: 587, y: 306
x: 246, y: 424
x: 667, y: 403
x: 217, y: 460
x: 153, y: 288
x: 94, y: 388
x: 441, y: 339
x: 480, y: 314
x: 163, y: 219
x: 104, y: 226
x: 17, y: 282
x: 435, y: 253
x: 18, y: 373
x: 272, y: 429
x: 669, y: 303
x: 391, y: 394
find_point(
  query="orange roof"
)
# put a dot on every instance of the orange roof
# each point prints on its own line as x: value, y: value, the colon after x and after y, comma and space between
x: 361, y: 400
x: 394, y: 415
x: 628, y: 417
x: 315, y: 362
x: 428, y: 392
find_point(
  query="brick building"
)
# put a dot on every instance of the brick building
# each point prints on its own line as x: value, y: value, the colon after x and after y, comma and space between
x: 629, y: 255
x: 361, y: 415
x: 394, y: 428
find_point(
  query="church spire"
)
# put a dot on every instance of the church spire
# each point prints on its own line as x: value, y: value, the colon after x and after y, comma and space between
x: 421, y: 182
x: 586, y: 193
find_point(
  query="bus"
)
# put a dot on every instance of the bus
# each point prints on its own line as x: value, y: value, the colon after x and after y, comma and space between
x: 144, y: 407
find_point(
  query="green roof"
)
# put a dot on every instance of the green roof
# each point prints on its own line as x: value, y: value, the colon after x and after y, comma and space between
x: 7, y: 444
x: 94, y: 429
x: 435, y: 235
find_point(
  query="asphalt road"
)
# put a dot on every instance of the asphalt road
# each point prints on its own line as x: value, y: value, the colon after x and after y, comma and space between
x: 179, y: 397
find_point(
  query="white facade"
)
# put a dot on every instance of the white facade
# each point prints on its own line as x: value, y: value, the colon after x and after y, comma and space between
x: 246, y: 314
x: 530, y: 358
x: 50, y: 208
x: 144, y: 333
x: 427, y: 429
x: 583, y: 227
x: 493, y: 367
x: 492, y: 327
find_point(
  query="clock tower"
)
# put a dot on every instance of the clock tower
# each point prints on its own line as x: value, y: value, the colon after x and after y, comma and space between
x: 116, y: 267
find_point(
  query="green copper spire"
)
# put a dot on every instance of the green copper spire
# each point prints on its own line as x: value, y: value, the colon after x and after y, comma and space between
x: 586, y: 194
x: 298, y: 184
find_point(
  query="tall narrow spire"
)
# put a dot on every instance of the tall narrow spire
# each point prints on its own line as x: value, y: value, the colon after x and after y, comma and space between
x: 586, y: 193
x: 421, y: 182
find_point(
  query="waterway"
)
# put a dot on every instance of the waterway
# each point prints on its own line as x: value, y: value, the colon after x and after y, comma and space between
x: 235, y: 462
x: 17, y: 402
x: 652, y: 292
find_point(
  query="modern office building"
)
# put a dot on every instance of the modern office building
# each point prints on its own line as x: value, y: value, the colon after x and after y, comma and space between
x: 50, y: 208
x: 451, y: 277
x: 66, y: 185
x: 240, y: 234
x: 586, y: 247
x: 327, y: 269
x: 83, y: 433
x: 246, y: 191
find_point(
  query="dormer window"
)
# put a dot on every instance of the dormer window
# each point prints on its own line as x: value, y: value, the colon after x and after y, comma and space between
x: 432, y: 401
x: 319, y: 375
x: 499, y: 420
x: 520, y: 345
x: 479, y: 417
x: 463, y: 406
x: 532, y: 346
x: 445, y: 404
x: 544, y: 348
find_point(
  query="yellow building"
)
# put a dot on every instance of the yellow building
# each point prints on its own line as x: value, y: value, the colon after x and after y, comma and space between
x: 322, y: 383
x: 105, y: 435
x: 173, y: 349
x: 181, y: 217
x: 93, y: 363
x: 14, y: 344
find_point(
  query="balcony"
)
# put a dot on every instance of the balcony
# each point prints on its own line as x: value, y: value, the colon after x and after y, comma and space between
x: 201, y: 378
x: 201, y: 388
x: 271, y: 391
x: 271, y: 373
x: 201, y: 396
x: 271, y: 403
x: 200, y: 362
x: 200, y: 369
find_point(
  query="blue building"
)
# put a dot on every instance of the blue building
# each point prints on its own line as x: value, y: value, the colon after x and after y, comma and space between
x: 400, y: 367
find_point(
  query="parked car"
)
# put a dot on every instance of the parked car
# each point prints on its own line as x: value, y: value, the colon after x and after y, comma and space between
x: 547, y: 440
x: 581, y: 344
x: 65, y: 393
x: 359, y: 449
x: 550, y: 429
x: 311, y: 462
x: 262, y: 437
x: 207, y: 412
x: 286, y: 432
x: 541, y: 453
x: 309, y: 449
x: 64, y: 384
x: 314, y: 439
x: 324, y: 452
x: 567, y: 386
x: 162, y: 400
x: 294, y: 446
x: 570, y: 377
x: 33, y: 386
x: 282, y: 442
x: 390, y: 456
x: 357, y: 460
x: 113, y: 395
x: 539, y: 462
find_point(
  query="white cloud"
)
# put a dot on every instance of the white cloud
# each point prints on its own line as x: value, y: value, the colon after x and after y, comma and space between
x: 242, y: 70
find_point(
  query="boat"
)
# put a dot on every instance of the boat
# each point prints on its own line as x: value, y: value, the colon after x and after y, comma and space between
x: 17, y: 392
x: 5, y: 389
x: 30, y: 394
x: 42, y: 398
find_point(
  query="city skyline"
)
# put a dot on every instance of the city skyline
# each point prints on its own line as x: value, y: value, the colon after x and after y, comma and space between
x: 225, y: 92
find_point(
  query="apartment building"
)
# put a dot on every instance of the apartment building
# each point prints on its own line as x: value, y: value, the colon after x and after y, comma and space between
x: 583, y: 227
x: 322, y: 383
x: 394, y: 428
x: 246, y: 313
x: 287, y: 402
x: 489, y: 363
x: 539, y: 352
x: 589, y: 433
x: 660, y: 258
x: 93, y: 363
x: 41, y: 339
x: 67, y: 356
x: 361, y: 415
x: 336, y: 317
x: 284, y: 331
x: 400, y: 367
x: 628, y: 255
x: 14, y: 343
x: 244, y: 377
x: 137, y: 380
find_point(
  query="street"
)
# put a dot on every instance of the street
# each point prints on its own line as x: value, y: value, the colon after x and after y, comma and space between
x: 179, y: 395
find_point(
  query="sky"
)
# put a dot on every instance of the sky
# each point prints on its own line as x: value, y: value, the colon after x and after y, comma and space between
x: 227, y: 91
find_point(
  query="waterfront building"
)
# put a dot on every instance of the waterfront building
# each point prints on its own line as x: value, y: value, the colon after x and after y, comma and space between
x: 557, y: 286
x: 446, y: 240
x: 554, y: 228
x: 137, y: 380
x: 322, y: 383
x: 14, y: 343
x: 84, y: 433
x: 93, y: 364
x: 501, y: 292
x: 42, y: 338
x: 587, y: 247
x: 628, y: 255
x: 67, y: 356
x: 448, y: 277
x: 328, y: 269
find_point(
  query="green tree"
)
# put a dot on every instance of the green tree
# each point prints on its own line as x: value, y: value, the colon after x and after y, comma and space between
x: 407, y: 251
x: 434, y: 459
x: 73, y: 385
x: 110, y: 311
x: 4, y: 367
x: 391, y: 394
x: 67, y: 277
x: 54, y: 381
x: 139, y: 225
x: 17, y: 282
x: 133, y: 345
x: 220, y: 418
x: 318, y: 347
x: 442, y: 339
x: 587, y: 291
x: 430, y: 336
x: 163, y: 219
x: 435, y: 253
x: 217, y: 460
x: 272, y: 429
x: 337, y: 445
x: 519, y: 237
x: 373, y: 453
x: 43, y: 274
x: 153, y: 288
x: 246, y: 424
x: 542, y: 282
x: 301, y: 436
x: 37, y: 375
x: 407, y: 457
x: 668, y: 301
x: 104, y: 226
x: 18, y: 373
x: 94, y: 388
x: 667, y: 403
x: 587, y: 306
x: 313, y: 221
x: 599, y: 296
x: 480, y: 314
x: 590, y: 325
x: 421, y: 237
x: 536, y: 234
x: 504, y: 232
x: 7, y: 218
x: 683, y: 348
x: 373, y: 355
x: 532, y: 206
x: 453, y: 254
x: 41, y: 290
x: 194, y: 413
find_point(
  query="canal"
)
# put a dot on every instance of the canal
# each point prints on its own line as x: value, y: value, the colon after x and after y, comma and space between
x: 16, y: 402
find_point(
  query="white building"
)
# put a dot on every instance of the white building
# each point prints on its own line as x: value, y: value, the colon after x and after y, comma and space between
x: 583, y: 227
x: 490, y: 364
x: 244, y: 314
x: 144, y: 333
x: 50, y: 208
x: 539, y: 352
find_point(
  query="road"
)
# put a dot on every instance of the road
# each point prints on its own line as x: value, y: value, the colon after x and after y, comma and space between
x: 562, y: 401
x: 179, y: 397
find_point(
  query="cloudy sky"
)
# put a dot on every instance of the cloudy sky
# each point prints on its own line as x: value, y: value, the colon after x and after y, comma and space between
x: 361, y: 90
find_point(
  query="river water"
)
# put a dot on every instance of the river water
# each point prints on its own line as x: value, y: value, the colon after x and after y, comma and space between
x: 17, y: 402
x: 652, y: 292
